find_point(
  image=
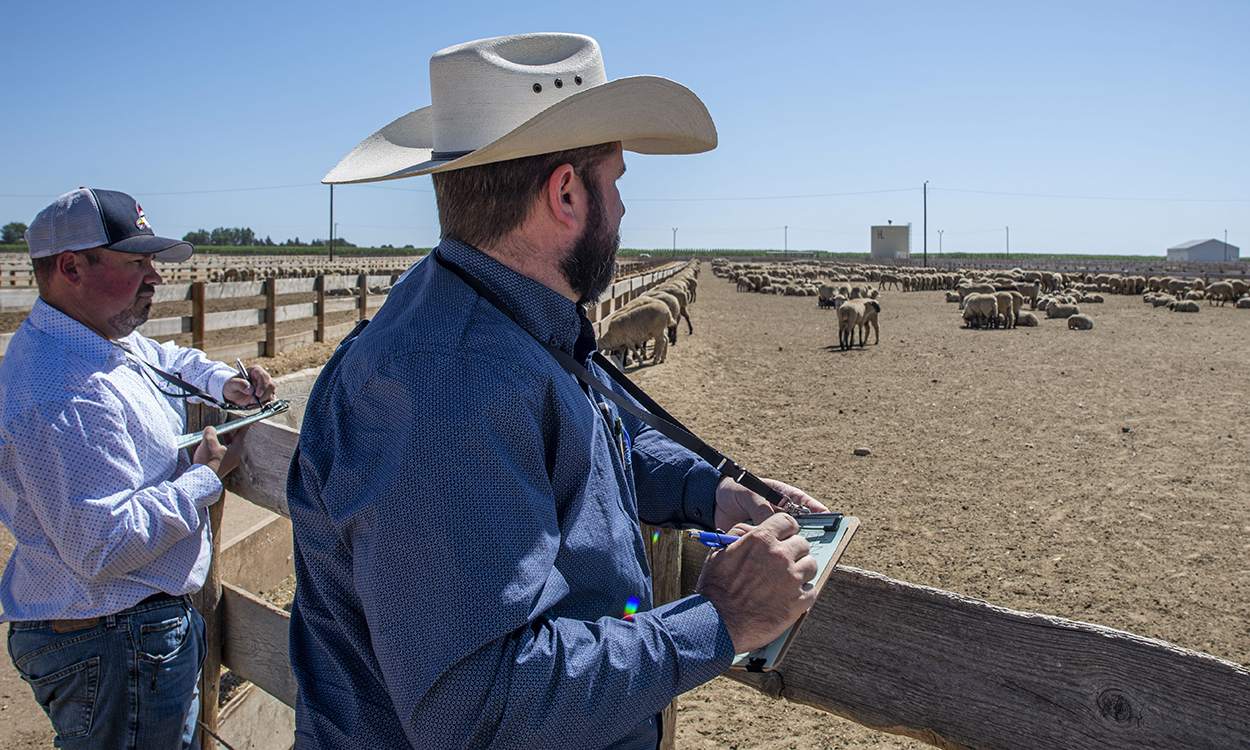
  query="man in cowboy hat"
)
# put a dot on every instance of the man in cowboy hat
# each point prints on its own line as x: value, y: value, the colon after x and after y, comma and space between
x: 109, y: 516
x: 465, y: 511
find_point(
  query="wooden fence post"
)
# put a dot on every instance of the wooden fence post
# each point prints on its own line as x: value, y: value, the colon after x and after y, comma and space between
x: 197, y: 315
x: 271, y: 317
x: 319, y: 286
x: 208, y: 599
x: 664, y: 552
x: 362, y: 282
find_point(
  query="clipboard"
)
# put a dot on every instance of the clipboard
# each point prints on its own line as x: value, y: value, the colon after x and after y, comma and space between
x: 827, y: 542
x: 271, y: 409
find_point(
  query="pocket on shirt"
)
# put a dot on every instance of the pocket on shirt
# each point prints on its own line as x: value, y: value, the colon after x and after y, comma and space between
x: 68, y: 696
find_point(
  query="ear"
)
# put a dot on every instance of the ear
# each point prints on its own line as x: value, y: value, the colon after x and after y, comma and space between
x: 67, y: 267
x: 563, y: 197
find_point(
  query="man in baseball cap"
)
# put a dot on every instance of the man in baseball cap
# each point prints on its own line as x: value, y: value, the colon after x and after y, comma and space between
x: 109, y: 517
x: 471, y: 568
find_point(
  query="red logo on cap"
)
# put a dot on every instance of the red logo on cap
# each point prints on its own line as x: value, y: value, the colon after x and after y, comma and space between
x: 142, y: 221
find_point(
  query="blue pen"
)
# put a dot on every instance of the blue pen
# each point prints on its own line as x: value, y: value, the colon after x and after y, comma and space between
x: 710, y: 539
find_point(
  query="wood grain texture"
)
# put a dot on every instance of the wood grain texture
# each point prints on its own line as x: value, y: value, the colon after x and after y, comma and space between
x: 261, y: 474
x: 207, y: 599
x: 958, y: 672
x: 255, y: 643
x: 664, y: 553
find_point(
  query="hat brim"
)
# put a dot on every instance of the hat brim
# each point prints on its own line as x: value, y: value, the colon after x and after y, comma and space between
x: 647, y: 114
x: 164, y: 249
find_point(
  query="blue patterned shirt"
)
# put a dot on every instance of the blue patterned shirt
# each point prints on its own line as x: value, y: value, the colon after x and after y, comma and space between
x: 467, y: 539
x: 105, y: 510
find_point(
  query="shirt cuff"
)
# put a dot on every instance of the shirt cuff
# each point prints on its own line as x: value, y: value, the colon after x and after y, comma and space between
x: 202, y: 483
x: 217, y: 382
x: 700, y: 494
x: 700, y: 639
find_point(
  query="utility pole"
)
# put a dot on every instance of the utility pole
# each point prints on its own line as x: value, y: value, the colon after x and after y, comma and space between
x: 940, y: 242
x: 674, y: 242
x: 1009, y: 242
x: 786, y: 241
x: 1225, y: 244
x: 926, y: 223
x: 332, y: 223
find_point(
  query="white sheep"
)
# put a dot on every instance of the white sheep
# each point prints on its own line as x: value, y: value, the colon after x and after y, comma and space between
x: 1026, y: 318
x: 871, y: 308
x: 674, y: 307
x: 1220, y: 290
x: 634, y: 325
x: 1187, y: 305
x: 1062, y: 311
x: 850, y: 314
x: 980, y: 310
x: 1080, y: 322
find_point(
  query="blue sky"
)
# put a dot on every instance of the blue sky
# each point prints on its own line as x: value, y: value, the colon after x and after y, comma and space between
x: 1085, y: 127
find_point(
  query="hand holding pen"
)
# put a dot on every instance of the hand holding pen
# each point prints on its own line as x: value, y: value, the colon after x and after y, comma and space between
x: 252, y: 387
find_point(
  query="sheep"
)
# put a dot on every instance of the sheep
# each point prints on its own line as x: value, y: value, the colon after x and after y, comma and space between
x: 1030, y: 291
x: 871, y: 309
x: 1220, y: 290
x: 674, y: 307
x: 683, y: 297
x: 952, y: 297
x: 981, y: 309
x: 825, y: 295
x: 634, y: 325
x: 1026, y: 318
x: 850, y: 314
x: 1243, y: 303
x: 1062, y: 311
x: 1006, y: 313
x: 1080, y: 322
x: 1186, y: 305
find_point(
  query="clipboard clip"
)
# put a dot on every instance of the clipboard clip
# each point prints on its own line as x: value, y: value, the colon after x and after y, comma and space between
x: 273, y: 408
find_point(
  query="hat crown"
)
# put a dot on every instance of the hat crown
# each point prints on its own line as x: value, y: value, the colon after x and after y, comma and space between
x: 482, y: 90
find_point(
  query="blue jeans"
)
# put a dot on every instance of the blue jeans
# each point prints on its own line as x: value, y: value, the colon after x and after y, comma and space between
x: 129, y: 681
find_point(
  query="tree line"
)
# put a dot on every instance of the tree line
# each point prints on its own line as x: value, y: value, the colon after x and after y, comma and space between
x: 13, y: 234
x: 245, y: 237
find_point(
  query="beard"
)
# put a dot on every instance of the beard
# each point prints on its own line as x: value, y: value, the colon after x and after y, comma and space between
x: 590, y: 264
x: 126, y: 321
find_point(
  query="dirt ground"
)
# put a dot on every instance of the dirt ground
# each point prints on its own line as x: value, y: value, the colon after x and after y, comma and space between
x: 1095, y: 475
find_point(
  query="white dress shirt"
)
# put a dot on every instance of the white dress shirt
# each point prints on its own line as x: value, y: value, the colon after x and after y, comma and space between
x: 105, y: 510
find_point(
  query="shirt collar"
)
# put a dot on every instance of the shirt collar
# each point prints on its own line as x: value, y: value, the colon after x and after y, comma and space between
x: 77, y: 338
x: 544, y: 313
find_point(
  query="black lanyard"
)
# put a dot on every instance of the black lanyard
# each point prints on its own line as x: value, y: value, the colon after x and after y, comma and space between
x: 189, y: 390
x: 654, y: 415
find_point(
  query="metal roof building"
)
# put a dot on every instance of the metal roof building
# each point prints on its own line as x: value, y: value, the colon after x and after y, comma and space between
x: 1205, y: 251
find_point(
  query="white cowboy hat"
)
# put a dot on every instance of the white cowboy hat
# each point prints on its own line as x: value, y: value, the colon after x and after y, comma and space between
x: 513, y: 96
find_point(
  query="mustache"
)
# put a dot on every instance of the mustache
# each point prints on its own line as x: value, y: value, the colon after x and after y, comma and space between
x: 146, y: 289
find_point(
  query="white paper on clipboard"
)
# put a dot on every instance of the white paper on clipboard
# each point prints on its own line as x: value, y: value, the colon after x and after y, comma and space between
x: 827, y: 547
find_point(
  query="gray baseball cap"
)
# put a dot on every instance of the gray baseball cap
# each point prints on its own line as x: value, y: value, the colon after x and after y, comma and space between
x: 86, y: 218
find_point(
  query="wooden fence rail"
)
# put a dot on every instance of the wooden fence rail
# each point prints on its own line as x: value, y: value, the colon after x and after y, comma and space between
x: 947, y: 669
x: 359, y: 293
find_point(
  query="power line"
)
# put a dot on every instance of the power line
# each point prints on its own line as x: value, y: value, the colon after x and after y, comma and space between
x: 1099, y: 197
x: 188, y: 192
x: 768, y: 197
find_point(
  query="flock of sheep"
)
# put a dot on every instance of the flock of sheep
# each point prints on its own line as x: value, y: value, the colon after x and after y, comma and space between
x: 652, y: 316
x: 986, y: 299
x: 994, y: 302
x: 292, y: 271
